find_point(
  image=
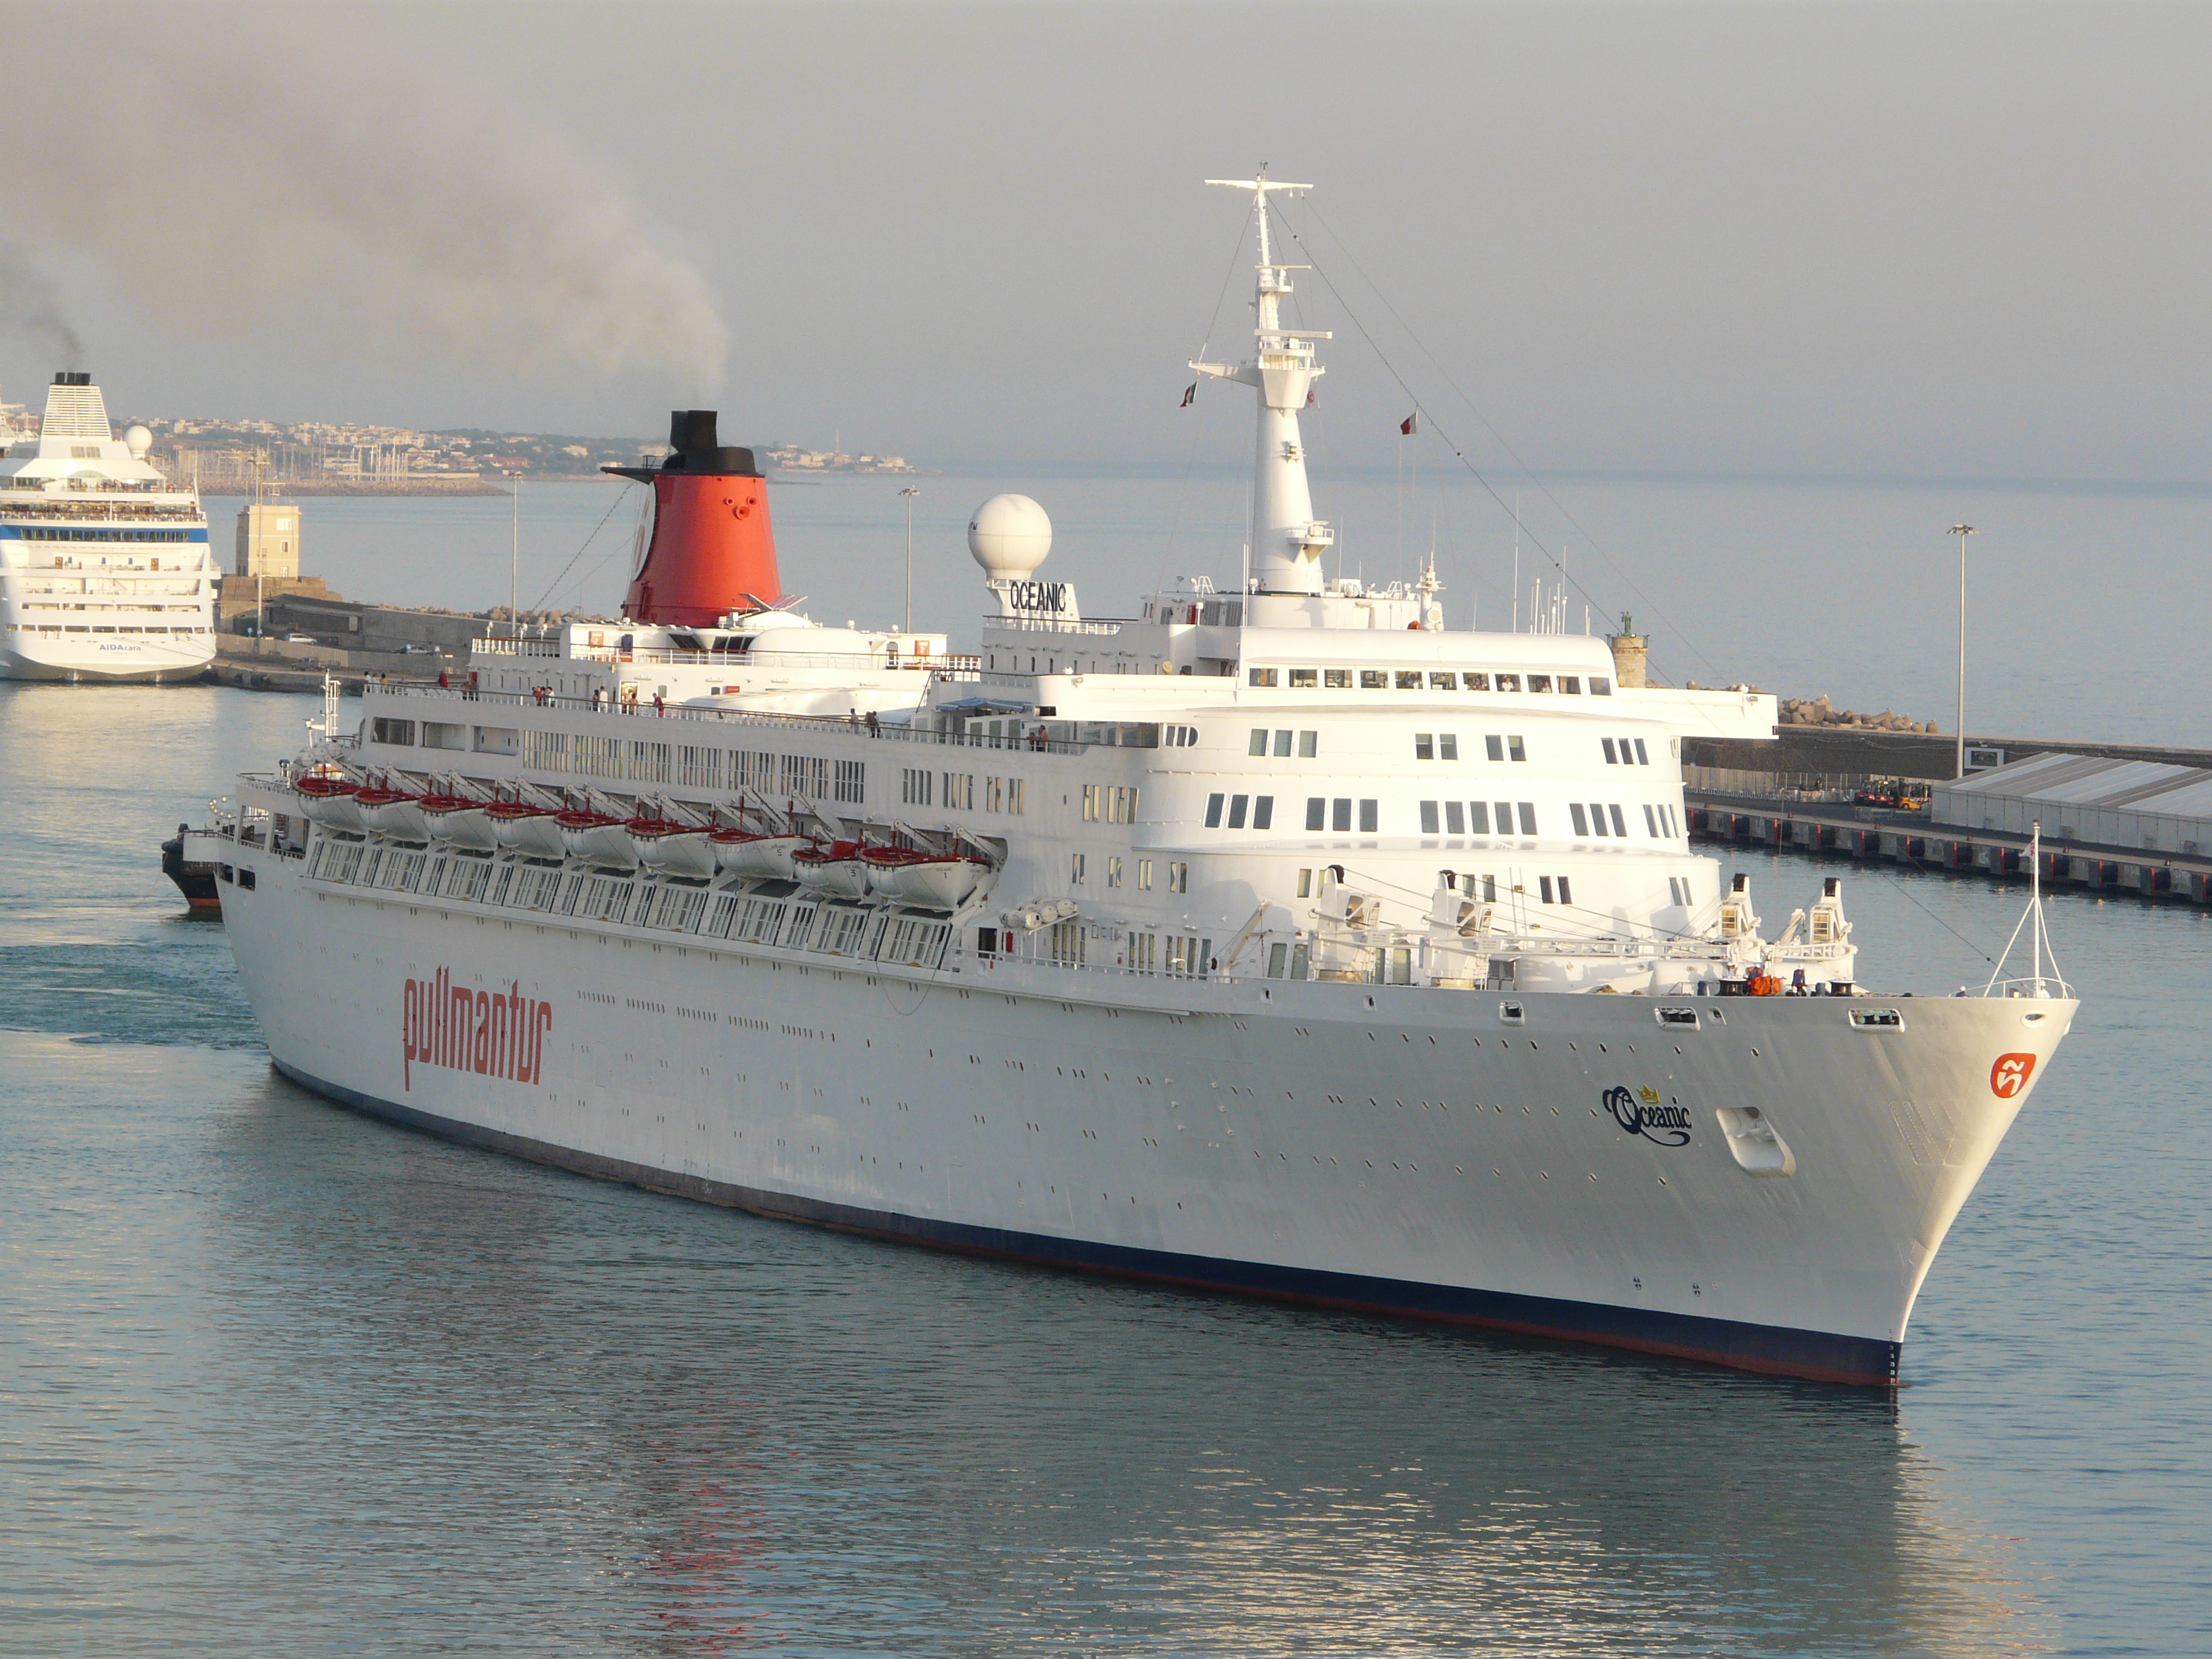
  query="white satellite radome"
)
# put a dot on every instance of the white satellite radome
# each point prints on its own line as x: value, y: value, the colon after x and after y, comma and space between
x: 1008, y: 537
x: 137, y: 440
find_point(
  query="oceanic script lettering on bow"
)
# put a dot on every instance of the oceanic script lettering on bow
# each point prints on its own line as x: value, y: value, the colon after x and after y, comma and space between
x: 1663, y: 1126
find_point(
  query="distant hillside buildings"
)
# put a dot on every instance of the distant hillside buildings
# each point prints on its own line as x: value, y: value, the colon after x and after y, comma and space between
x: 222, y: 454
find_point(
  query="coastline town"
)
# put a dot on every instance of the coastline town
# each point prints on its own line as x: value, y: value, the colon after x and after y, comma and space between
x: 226, y: 457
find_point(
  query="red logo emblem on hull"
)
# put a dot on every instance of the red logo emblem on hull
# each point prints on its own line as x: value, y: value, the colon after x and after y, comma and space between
x: 2010, y: 1074
x: 499, y: 1033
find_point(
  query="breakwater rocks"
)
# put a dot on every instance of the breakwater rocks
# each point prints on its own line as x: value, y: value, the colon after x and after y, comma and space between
x: 1817, y: 711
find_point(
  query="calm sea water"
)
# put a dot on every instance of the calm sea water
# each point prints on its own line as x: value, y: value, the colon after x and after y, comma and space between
x: 277, y: 1380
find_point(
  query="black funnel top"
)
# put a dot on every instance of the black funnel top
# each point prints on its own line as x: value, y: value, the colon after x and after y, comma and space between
x: 691, y: 436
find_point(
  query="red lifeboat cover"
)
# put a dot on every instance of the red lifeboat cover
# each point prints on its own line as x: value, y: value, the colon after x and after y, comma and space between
x: 713, y: 550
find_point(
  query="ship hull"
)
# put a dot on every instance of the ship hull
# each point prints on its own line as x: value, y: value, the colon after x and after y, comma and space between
x: 1817, y: 1355
x: 1404, y: 1150
x: 135, y: 666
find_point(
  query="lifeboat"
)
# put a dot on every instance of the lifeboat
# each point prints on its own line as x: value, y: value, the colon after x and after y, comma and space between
x: 675, y: 849
x: 453, y: 817
x: 596, y: 838
x: 742, y: 853
x: 393, y: 812
x: 532, y: 831
x: 937, y: 881
x: 836, y: 871
x: 329, y: 800
x: 884, y: 864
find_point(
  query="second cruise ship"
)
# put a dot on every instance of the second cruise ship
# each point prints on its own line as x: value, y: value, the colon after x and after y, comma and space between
x: 106, y: 572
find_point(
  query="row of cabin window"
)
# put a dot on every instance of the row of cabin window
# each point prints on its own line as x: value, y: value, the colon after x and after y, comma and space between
x: 955, y: 791
x: 1185, y: 957
x: 1262, y: 809
x: 1308, y: 743
x: 1444, y: 746
x: 1104, y: 803
x: 40, y: 533
x: 82, y: 627
x: 1447, y: 817
x: 1450, y: 817
x: 1178, y: 872
x: 1469, y: 819
x: 1420, y: 680
x: 1631, y: 753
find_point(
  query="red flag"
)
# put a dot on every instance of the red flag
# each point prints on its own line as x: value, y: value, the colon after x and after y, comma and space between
x: 1407, y: 426
x: 1309, y: 397
x: 1190, y: 394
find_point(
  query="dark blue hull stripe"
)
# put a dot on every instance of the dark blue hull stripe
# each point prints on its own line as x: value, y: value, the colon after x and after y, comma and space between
x: 1778, y: 1351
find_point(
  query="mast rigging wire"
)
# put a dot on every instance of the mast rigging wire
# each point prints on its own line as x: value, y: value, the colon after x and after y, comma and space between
x: 1459, y: 454
x: 628, y: 485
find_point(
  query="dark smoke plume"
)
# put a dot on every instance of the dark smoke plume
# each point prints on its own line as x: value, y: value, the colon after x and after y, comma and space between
x: 29, y: 305
x: 245, y: 172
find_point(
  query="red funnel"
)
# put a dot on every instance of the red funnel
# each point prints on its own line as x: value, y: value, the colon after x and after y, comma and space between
x: 712, y: 550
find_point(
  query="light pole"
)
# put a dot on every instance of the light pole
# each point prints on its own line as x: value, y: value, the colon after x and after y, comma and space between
x: 1962, y: 531
x: 514, y: 557
x: 909, y: 493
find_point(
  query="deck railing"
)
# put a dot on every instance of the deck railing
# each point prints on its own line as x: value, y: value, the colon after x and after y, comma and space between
x: 858, y: 725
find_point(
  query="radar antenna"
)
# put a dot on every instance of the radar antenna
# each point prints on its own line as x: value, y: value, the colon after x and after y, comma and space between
x: 1287, y: 540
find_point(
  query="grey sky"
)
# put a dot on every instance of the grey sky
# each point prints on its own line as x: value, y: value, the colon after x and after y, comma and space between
x: 1924, y: 239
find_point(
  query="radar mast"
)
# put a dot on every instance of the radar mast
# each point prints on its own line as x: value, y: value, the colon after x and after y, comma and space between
x: 1287, y: 540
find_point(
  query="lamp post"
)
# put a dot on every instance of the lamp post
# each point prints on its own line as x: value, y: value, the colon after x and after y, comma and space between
x: 515, y: 560
x: 1962, y: 531
x: 909, y: 493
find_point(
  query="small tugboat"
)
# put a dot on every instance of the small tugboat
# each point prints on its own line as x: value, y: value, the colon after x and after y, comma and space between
x: 182, y: 862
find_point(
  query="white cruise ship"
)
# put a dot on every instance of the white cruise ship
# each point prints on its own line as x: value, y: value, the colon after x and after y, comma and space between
x: 105, y: 570
x: 1282, y: 942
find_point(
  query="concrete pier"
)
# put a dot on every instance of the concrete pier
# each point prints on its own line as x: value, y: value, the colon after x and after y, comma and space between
x: 1909, y: 841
